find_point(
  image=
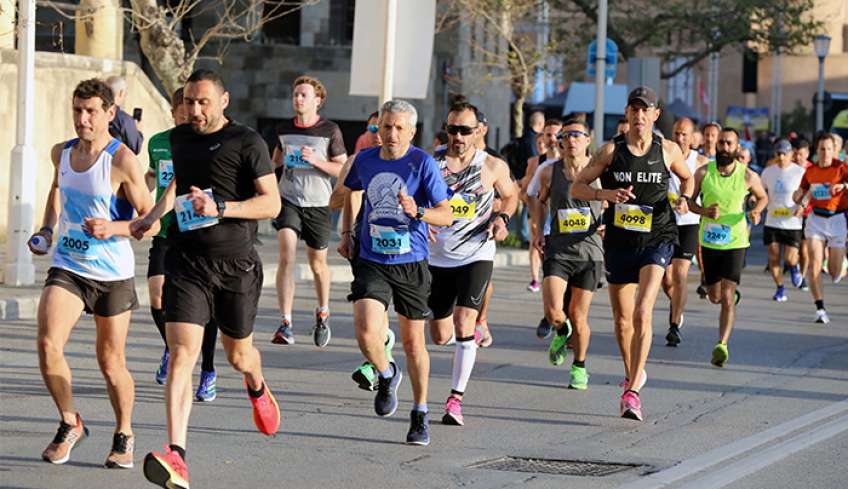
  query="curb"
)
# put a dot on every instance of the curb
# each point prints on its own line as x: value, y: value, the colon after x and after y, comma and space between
x: 25, y: 308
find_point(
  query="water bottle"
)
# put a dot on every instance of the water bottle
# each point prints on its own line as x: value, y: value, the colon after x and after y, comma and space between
x: 39, y: 243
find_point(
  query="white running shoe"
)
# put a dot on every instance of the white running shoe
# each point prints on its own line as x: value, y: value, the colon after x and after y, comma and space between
x: 821, y: 317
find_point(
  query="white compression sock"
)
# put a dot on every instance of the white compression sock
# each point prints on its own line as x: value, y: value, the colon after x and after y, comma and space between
x: 464, y: 357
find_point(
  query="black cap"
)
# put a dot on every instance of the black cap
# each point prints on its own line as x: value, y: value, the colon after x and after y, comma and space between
x: 644, y: 95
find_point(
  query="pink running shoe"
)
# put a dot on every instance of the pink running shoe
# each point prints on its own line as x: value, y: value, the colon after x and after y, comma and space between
x: 631, y: 406
x: 482, y: 336
x: 626, y: 384
x: 453, y: 412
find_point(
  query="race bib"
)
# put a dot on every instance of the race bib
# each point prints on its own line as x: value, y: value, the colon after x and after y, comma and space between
x: 821, y: 191
x: 388, y: 240
x: 166, y: 172
x: 294, y: 158
x: 574, y: 220
x: 78, y: 245
x: 631, y: 217
x: 463, y: 206
x: 716, y: 234
x: 782, y: 212
x: 187, y: 219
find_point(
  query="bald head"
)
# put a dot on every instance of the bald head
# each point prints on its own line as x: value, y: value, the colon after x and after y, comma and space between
x: 685, y: 122
x: 537, y: 121
x: 682, y: 132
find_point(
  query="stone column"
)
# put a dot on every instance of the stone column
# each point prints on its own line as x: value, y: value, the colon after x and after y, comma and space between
x: 100, y: 29
x: 7, y: 24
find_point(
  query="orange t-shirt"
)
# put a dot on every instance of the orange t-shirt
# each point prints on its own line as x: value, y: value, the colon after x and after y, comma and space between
x: 819, y: 180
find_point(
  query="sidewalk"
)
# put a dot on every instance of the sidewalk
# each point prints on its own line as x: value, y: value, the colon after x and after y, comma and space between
x: 21, y: 303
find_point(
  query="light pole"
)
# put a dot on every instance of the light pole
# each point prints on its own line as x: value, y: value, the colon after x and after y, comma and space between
x: 600, y: 72
x: 822, y: 46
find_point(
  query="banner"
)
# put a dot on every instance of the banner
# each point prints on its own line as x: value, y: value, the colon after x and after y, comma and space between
x: 753, y: 118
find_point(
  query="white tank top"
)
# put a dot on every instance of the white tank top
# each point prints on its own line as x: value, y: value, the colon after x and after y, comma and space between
x: 674, y: 192
x: 89, y: 194
x: 467, y: 239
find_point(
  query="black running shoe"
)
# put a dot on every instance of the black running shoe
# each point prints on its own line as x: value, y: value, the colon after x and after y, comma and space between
x: 673, y: 337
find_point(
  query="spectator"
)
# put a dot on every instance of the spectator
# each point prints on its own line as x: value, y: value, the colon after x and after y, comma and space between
x: 369, y: 138
x: 123, y: 126
x: 527, y: 145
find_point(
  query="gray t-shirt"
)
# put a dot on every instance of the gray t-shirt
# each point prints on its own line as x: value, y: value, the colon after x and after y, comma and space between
x: 300, y: 183
x: 574, y: 223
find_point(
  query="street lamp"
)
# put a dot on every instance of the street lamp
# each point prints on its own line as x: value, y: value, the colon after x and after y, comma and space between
x: 822, y: 46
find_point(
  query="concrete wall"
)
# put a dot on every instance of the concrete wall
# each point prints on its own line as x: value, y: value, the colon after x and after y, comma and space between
x: 56, y: 75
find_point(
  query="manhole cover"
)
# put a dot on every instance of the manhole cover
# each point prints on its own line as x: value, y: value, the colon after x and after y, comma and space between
x: 557, y: 467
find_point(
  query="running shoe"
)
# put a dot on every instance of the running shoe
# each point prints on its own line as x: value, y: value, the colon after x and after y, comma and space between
x: 365, y: 376
x: 386, y: 401
x: 737, y: 296
x: 266, y: 411
x: 166, y: 469
x: 206, y: 391
x: 482, y: 335
x: 702, y: 291
x: 631, y: 406
x: 579, y: 378
x: 674, y: 337
x: 67, y: 437
x: 162, y: 371
x: 557, y: 348
x: 544, y: 329
x: 284, y: 334
x: 533, y: 286
x: 804, y: 285
x: 121, y: 456
x: 780, y: 295
x: 642, y: 382
x: 795, y: 273
x: 321, y: 332
x: 453, y: 412
x: 720, y: 355
x: 821, y: 317
x: 419, y: 429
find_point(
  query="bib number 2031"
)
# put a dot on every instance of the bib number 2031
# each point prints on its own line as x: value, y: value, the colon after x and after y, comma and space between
x: 388, y: 240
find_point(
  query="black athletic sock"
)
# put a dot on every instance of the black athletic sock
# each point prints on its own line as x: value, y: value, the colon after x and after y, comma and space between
x: 159, y: 320
x: 454, y: 391
x: 210, y: 336
x: 820, y: 304
x: 178, y: 449
x: 465, y: 338
x: 256, y: 394
x: 579, y: 363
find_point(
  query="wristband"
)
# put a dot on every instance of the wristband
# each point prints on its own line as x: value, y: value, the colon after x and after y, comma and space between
x: 687, y: 197
x: 505, y: 217
x: 347, y: 232
x: 46, y: 229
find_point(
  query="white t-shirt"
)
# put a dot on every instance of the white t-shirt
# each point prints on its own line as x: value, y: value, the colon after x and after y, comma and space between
x: 780, y: 184
x: 690, y: 218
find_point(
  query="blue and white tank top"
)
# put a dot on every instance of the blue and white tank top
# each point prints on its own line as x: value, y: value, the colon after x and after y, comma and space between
x: 89, y: 194
x: 690, y: 217
x: 467, y: 239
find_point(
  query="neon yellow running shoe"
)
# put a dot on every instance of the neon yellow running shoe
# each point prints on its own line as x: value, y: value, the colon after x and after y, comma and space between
x: 579, y: 378
x: 557, y: 349
x: 720, y: 355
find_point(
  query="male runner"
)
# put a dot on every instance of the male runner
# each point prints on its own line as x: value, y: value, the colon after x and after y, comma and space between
x: 710, y: 132
x: 783, y: 221
x: 551, y: 152
x: 309, y: 151
x: 97, y: 183
x: 825, y: 182
x: 802, y: 159
x: 404, y: 192
x: 640, y: 229
x: 223, y: 183
x: 158, y: 176
x: 573, y: 253
x: 676, y: 277
x: 462, y: 254
x: 723, y: 186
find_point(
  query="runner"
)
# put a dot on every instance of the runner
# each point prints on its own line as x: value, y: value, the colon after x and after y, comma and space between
x: 573, y: 253
x: 97, y: 183
x: 825, y: 182
x: 676, y: 277
x: 710, y: 133
x: 213, y: 269
x: 462, y: 254
x: 723, y: 186
x: 309, y: 152
x: 158, y: 176
x: 802, y: 159
x: 640, y: 229
x: 783, y: 221
x: 549, y: 151
x: 404, y: 193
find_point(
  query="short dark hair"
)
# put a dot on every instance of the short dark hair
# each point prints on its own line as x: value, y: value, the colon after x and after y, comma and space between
x: 177, y: 98
x: 576, y: 118
x: 727, y: 129
x: 320, y: 89
x: 552, y: 122
x: 715, y: 125
x: 462, y: 106
x: 207, y: 75
x: 94, y: 87
x: 801, y: 143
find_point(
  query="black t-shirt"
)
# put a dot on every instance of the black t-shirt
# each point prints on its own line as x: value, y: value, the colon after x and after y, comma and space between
x: 227, y: 161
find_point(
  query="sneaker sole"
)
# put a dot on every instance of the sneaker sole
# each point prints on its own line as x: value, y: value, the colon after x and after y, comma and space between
x: 160, y: 474
x: 419, y: 443
x: 394, y: 391
x: 630, y: 414
x: 362, y: 382
x: 111, y: 464
x: 450, y: 420
x: 206, y: 399
x: 578, y: 387
x: 282, y: 341
x: 672, y: 340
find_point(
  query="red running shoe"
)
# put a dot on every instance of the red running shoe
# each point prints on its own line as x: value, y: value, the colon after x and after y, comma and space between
x: 266, y: 411
x: 166, y: 469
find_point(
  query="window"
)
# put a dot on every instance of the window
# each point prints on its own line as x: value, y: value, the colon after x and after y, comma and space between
x: 284, y: 28
x: 341, y: 21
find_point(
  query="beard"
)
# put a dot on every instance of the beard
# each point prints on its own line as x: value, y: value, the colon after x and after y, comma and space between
x: 724, y: 158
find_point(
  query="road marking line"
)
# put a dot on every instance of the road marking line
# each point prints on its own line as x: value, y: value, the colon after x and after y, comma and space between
x: 732, y: 450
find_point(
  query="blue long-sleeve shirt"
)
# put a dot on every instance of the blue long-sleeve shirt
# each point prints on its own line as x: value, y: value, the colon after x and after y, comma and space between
x: 123, y: 127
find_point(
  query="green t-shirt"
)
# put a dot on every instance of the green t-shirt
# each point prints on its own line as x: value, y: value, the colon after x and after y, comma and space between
x: 730, y: 230
x: 159, y: 150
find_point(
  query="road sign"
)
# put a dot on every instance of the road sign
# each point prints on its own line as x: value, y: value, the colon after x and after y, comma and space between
x: 611, y: 59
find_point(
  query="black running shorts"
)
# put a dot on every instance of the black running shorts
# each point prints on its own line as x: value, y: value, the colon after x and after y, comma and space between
x: 722, y: 264
x: 687, y: 237
x: 407, y: 284
x: 156, y: 257
x: 312, y: 224
x: 582, y: 274
x: 458, y: 286
x: 623, y: 265
x: 99, y: 297
x: 788, y: 237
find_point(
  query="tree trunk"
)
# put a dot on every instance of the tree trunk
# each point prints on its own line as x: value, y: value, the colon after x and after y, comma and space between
x: 518, y: 115
x: 161, y: 45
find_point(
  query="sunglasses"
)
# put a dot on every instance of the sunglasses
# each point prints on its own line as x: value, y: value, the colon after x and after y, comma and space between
x: 373, y: 128
x: 571, y: 134
x: 464, y: 130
